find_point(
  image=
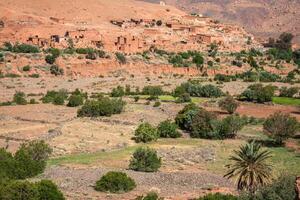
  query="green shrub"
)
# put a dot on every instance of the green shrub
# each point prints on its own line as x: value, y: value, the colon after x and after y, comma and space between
x: 115, y: 182
x: 229, y: 126
x: 168, y: 129
x: 50, y: 59
x: 60, y: 96
x: 202, y: 125
x: 31, y: 159
x: 228, y: 104
x: 57, y: 71
x: 26, y: 68
x: 26, y: 190
x: 288, y: 92
x: 222, y: 78
x: 118, y: 92
x: 75, y: 100
x: 136, y: 98
x: 152, y: 90
x: 121, y: 58
x: 281, y: 189
x: 7, y: 165
x: 218, y: 196
x: 183, y: 98
x: 150, y: 196
x: 59, y: 100
x: 268, y: 77
x: 32, y: 101
x: 145, y: 159
x: 145, y: 133
x: 157, y: 104
x: 185, y: 116
x: 152, y: 98
x: 258, y: 93
x: 198, y: 90
x: 24, y: 48
x: 12, y: 75
x: 47, y: 190
x: 280, y: 126
x: 54, y: 51
x: 34, y: 75
x: 104, y: 106
x: 19, y: 98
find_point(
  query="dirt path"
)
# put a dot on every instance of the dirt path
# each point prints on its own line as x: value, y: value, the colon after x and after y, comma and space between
x: 78, y: 183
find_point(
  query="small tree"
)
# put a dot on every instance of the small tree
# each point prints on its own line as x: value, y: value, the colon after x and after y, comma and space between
x: 250, y: 167
x: 168, y: 129
x: 145, y: 159
x: 115, y: 182
x: 229, y: 104
x: 118, y: 92
x: 75, y: 100
x: 121, y: 58
x: 146, y: 133
x: 19, y: 98
x: 31, y: 158
x: 280, y: 126
x: 50, y: 59
x: 48, y: 190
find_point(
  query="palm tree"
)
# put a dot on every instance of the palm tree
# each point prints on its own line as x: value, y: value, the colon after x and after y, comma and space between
x: 250, y: 167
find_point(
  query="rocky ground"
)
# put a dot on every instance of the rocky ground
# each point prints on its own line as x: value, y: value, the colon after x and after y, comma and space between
x: 78, y: 183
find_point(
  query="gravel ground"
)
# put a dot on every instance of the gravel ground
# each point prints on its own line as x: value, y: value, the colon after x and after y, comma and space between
x: 78, y: 183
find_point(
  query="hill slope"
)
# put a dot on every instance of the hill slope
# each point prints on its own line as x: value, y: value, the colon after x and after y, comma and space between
x: 263, y: 18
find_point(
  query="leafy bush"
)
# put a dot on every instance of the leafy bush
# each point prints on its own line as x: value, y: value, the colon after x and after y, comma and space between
x: 288, y: 92
x: 145, y: 159
x: 58, y: 96
x: 118, y: 92
x: 228, y: 127
x: 218, y: 196
x: 152, y: 90
x: 258, y: 93
x: 281, y: 126
x: 268, y: 77
x: 145, y: 133
x: 198, y: 90
x: 185, y: 116
x: 45, y: 189
x: 32, y: 101
x: 281, y: 189
x: 222, y: 78
x: 75, y: 100
x: 121, y: 58
x: 150, y: 196
x: 24, y: 48
x: 57, y: 71
x: 59, y: 100
x: 203, y: 125
x: 19, y: 98
x: 229, y: 104
x: 50, y: 59
x: 26, y: 68
x: 102, y: 107
x: 34, y: 76
x: 157, y: 104
x: 31, y: 159
x: 115, y: 182
x: 183, y: 98
x: 136, y: 98
x: 48, y: 190
x: 168, y: 129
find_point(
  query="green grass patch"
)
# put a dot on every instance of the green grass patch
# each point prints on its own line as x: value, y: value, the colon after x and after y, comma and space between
x: 286, y: 101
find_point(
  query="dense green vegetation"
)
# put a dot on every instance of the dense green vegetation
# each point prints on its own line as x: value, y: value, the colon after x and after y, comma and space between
x: 42, y: 190
x: 145, y: 133
x: 103, y: 106
x: 197, y: 90
x: 28, y: 161
x: 115, y: 182
x: 145, y: 159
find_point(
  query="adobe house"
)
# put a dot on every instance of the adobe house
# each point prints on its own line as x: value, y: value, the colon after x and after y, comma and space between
x: 128, y: 44
x: 117, y: 22
x: 1, y: 24
x: 40, y: 42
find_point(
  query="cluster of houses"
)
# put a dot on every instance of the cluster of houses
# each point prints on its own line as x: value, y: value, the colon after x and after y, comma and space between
x: 192, y: 31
